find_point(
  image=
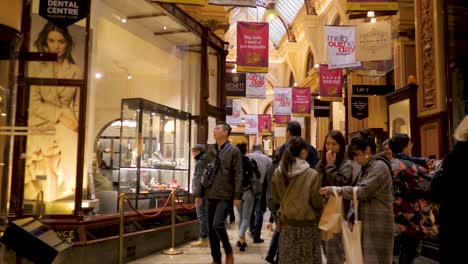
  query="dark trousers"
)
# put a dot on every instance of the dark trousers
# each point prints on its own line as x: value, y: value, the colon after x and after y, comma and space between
x: 272, y: 253
x: 256, y: 220
x: 232, y: 216
x: 218, y: 211
x: 408, y: 249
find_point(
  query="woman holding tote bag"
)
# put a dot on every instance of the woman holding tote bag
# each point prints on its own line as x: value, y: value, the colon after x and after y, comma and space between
x: 374, y: 193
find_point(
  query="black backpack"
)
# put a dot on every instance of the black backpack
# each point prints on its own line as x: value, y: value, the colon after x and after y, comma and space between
x: 256, y: 184
x: 250, y: 174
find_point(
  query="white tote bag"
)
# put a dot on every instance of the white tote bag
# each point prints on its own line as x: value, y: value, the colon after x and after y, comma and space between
x: 352, y: 238
x: 330, y: 220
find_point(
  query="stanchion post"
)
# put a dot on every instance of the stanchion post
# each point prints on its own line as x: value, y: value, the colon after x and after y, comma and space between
x: 121, y: 228
x: 173, y: 250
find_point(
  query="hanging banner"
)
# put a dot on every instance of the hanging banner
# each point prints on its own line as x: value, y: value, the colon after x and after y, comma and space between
x: 228, y: 107
x: 282, y: 120
x: 251, y: 124
x: 252, y: 47
x: 360, y: 107
x: 264, y: 124
x: 301, y: 101
x: 331, y: 84
x: 341, y: 47
x: 256, y: 85
x: 365, y: 89
x: 186, y: 2
x: 321, y: 108
x: 372, y: 5
x: 280, y: 131
x: 63, y: 13
x: 374, y: 41
x: 248, y: 3
x: 282, y: 101
x: 235, y: 84
x: 235, y: 119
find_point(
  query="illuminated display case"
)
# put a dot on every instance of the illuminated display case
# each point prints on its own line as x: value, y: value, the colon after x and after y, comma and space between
x: 154, y: 151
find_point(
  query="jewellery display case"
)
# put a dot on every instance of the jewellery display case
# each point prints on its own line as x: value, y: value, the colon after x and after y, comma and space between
x: 154, y: 152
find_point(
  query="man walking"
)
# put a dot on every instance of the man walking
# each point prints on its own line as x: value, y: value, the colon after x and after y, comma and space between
x: 293, y: 129
x: 198, y: 153
x: 224, y: 186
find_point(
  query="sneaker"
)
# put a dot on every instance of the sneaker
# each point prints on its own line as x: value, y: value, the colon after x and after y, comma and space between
x: 200, y: 243
x: 257, y: 240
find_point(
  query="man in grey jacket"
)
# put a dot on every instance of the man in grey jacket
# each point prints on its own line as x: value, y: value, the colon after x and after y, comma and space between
x: 198, y: 153
x: 224, y: 188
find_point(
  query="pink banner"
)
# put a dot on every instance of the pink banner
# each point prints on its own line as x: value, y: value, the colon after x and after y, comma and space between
x: 252, y: 47
x: 264, y: 124
x: 251, y: 124
x: 282, y: 120
x: 301, y: 101
x: 331, y: 84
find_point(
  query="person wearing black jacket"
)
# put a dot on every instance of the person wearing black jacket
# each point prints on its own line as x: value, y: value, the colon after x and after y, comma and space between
x: 198, y: 152
x: 272, y: 254
x: 293, y: 129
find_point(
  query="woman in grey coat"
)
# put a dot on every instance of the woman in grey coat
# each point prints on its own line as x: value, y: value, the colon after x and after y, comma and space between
x: 375, y: 199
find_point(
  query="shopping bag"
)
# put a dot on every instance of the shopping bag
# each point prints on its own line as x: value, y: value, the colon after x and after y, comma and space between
x: 352, y: 236
x: 330, y: 221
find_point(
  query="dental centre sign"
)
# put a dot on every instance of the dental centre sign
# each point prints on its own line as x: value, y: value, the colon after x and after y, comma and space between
x: 63, y: 13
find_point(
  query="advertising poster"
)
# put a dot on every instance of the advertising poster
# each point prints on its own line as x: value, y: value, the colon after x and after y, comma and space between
x: 331, y: 84
x: 235, y: 119
x: 248, y: 3
x: 341, y: 47
x: 252, y: 47
x: 264, y: 124
x: 282, y: 120
x: 235, y: 84
x: 251, y: 124
x: 283, y: 100
x: 63, y: 13
x: 256, y: 85
x: 372, y: 5
x: 360, y: 107
x: 301, y: 101
x: 280, y: 131
x: 374, y: 41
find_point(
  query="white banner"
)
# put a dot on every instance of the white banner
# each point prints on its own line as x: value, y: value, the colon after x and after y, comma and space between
x: 341, y: 47
x: 283, y: 101
x: 255, y: 85
x: 374, y: 41
x: 251, y: 3
x: 251, y: 124
x: 235, y: 119
x: 280, y: 131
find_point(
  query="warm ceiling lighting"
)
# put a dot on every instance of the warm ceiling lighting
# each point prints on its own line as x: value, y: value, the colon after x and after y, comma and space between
x: 129, y: 77
x: 165, y: 28
x: 124, y: 20
x: 373, y: 20
x: 98, y: 75
x: 271, y: 15
x: 370, y: 14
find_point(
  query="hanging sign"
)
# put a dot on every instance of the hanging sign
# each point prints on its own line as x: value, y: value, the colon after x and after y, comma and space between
x: 264, y: 124
x: 341, y: 47
x: 280, y: 131
x: 63, y: 13
x: 228, y: 107
x: 256, y: 85
x: 186, y: 2
x: 374, y: 41
x: 251, y: 124
x: 331, y: 84
x: 282, y: 101
x: 301, y: 101
x: 282, y: 120
x: 235, y: 119
x: 364, y: 89
x: 249, y: 3
x: 360, y: 107
x: 252, y: 47
x: 372, y: 5
x: 321, y: 108
x: 235, y: 84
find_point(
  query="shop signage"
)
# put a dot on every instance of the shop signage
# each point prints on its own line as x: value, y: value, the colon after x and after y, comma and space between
x: 362, y: 89
x: 331, y: 84
x: 252, y: 47
x: 251, y: 3
x: 321, y: 108
x: 63, y: 13
x: 186, y: 2
x: 256, y: 85
x: 235, y: 84
x: 251, y: 124
x: 228, y: 107
x: 282, y: 100
x: 374, y: 41
x: 235, y: 118
x: 341, y: 47
x: 264, y: 124
x: 301, y: 101
x: 282, y: 120
x: 372, y: 5
x: 360, y: 107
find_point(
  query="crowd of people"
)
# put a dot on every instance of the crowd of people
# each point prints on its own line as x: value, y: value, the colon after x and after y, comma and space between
x: 401, y: 199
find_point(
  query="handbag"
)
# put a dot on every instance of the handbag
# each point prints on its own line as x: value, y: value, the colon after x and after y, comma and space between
x: 330, y: 221
x: 352, y: 235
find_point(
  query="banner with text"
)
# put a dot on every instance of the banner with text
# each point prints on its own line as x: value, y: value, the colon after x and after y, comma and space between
x: 235, y: 84
x: 264, y: 124
x: 252, y: 47
x: 251, y: 124
x: 63, y: 13
x: 372, y: 5
x: 374, y: 41
x: 249, y: 3
x: 341, y: 47
x: 282, y: 120
x: 321, y: 108
x: 331, y: 84
x: 256, y: 85
x: 301, y: 101
x: 235, y: 119
x: 360, y: 107
x: 186, y: 2
x: 282, y: 100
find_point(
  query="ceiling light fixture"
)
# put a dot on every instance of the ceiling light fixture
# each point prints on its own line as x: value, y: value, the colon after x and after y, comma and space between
x: 129, y: 77
x: 98, y: 75
x: 373, y: 20
x: 124, y: 20
x: 165, y: 28
x: 370, y: 14
x: 271, y: 14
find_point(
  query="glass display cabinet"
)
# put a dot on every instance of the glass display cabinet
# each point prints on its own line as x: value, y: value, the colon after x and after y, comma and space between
x: 154, y: 152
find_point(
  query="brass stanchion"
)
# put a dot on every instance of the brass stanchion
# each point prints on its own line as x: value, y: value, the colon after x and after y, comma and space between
x: 121, y: 229
x: 173, y: 250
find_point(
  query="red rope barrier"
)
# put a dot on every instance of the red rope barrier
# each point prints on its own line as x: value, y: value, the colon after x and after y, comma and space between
x: 182, y: 204
x: 153, y: 215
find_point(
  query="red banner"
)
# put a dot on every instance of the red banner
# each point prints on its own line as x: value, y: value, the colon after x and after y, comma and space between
x: 301, y: 101
x: 264, y: 124
x: 331, y: 84
x: 252, y: 47
x: 282, y: 120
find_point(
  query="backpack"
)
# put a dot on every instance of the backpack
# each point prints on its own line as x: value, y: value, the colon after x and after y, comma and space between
x: 257, y: 186
x: 250, y: 172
